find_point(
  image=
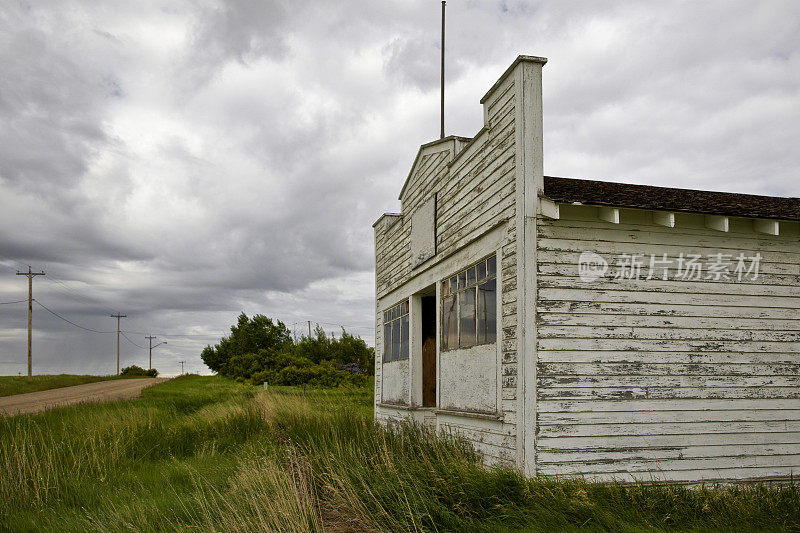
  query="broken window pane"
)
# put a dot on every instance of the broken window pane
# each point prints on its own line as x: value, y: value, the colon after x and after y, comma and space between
x: 387, y: 341
x: 395, y: 332
x: 466, y: 313
x: 404, y: 337
x: 395, y: 340
x: 481, y: 271
x: 449, y: 330
x: 469, y: 306
x: 491, y: 266
x: 487, y: 311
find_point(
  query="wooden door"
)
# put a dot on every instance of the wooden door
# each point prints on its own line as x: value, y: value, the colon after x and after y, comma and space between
x: 429, y: 372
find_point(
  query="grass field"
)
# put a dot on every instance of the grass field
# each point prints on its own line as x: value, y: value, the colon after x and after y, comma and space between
x: 206, y: 454
x: 19, y: 384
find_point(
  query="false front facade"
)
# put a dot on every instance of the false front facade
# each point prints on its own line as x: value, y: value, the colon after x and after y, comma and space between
x: 569, y: 326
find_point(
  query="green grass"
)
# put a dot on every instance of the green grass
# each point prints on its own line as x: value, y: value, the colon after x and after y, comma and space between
x: 207, y: 454
x: 19, y: 384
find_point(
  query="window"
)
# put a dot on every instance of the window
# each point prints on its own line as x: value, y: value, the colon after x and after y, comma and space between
x: 395, y: 333
x: 469, y: 306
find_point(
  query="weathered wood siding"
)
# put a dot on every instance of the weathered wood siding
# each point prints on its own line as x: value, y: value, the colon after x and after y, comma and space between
x: 475, y: 184
x: 492, y: 438
x: 384, y: 239
x: 677, y: 379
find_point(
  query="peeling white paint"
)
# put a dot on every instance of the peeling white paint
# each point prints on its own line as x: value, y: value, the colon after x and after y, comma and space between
x: 608, y: 378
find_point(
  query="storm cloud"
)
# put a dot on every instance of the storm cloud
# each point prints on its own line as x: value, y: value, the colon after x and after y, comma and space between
x: 181, y: 162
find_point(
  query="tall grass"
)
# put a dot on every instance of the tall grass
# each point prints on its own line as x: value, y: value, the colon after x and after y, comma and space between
x: 210, y: 455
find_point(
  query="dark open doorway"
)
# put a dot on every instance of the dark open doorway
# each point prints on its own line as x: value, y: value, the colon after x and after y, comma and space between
x: 428, y: 351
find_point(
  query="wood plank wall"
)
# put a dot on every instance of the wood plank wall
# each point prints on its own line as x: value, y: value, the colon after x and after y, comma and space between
x: 475, y: 193
x: 678, y: 380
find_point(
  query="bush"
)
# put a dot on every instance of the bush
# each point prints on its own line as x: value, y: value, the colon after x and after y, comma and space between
x: 260, y: 350
x: 248, y: 336
x: 321, y: 375
x: 134, y: 370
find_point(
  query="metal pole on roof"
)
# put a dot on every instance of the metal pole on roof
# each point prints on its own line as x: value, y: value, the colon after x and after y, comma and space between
x: 441, y: 135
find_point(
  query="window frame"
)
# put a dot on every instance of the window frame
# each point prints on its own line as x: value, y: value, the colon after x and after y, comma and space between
x: 452, y: 287
x: 394, y: 318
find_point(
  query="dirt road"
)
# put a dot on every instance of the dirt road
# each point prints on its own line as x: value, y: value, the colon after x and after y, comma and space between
x: 102, y: 391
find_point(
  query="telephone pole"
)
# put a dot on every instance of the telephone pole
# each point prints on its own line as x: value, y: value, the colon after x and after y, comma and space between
x: 150, y: 338
x: 309, y: 330
x: 30, y: 314
x: 118, y: 316
x: 181, y: 362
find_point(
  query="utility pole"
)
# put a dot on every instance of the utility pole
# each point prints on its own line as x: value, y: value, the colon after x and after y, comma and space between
x: 181, y: 362
x: 30, y: 314
x: 150, y: 338
x: 118, y: 316
x: 309, y: 330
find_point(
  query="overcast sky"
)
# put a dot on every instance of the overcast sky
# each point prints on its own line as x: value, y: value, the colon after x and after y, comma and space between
x: 181, y: 162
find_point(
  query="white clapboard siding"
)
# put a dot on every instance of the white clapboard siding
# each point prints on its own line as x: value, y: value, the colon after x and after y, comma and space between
x: 666, y: 468
x: 678, y: 380
x: 549, y: 308
x: 683, y: 322
x: 492, y: 439
x: 632, y: 357
x: 475, y: 191
x: 700, y: 393
x: 628, y: 406
x: 638, y: 368
x: 679, y: 476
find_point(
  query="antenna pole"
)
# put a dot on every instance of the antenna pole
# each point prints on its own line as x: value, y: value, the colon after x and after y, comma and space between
x: 441, y: 135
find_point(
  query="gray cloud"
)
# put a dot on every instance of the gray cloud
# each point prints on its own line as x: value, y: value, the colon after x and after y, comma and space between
x: 181, y: 162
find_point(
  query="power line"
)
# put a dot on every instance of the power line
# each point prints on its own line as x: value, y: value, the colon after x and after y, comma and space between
x: 130, y: 341
x: 73, y: 292
x: 14, y: 302
x: 67, y: 320
x: 343, y: 325
x: 337, y: 324
x: 208, y: 336
x: 200, y: 335
x: 8, y: 259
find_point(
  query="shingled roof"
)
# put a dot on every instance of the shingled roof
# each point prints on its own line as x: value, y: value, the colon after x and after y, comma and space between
x: 570, y: 190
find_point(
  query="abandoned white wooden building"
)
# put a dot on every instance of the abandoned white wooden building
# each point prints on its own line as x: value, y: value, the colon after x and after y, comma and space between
x: 569, y: 326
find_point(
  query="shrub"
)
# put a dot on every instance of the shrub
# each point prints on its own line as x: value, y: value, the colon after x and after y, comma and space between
x: 248, y: 336
x: 321, y: 375
x: 134, y: 370
x: 260, y: 350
